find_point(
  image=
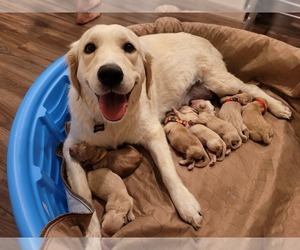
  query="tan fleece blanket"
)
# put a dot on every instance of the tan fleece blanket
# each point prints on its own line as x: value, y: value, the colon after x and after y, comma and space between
x: 255, y: 191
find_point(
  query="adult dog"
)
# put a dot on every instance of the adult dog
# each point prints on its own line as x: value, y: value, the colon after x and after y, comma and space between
x: 124, y: 85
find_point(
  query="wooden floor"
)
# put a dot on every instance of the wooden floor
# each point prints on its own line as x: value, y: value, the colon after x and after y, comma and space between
x: 29, y: 43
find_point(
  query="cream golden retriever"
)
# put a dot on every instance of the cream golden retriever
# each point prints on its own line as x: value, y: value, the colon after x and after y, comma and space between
x: 121, y: 87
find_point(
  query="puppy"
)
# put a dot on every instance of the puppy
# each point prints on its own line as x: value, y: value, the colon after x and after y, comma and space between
x: 259, y: 129
x: 224, y: 129
x: 183, y: 141
x: 119, y: 204
x: 122, y: 161
x: 231, y: 111
x: 216, y: 147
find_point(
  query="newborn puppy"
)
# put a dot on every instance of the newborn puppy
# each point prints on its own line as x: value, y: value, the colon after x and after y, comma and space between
x: 184, y: 142
x: 231, y: 111
x: 216, y: 147
x: 119, y: 204
x: 259, y: 129
x: 224, y: 129
x: 122, y: 161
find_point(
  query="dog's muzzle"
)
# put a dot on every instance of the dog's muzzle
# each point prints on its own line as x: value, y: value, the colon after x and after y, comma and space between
x: 110, y: 75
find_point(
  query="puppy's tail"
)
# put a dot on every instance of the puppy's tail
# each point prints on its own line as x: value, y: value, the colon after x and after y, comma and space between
x: 267, y: 137
x: 244, y: 133
x: 221, y: 157
x: 234, y: 144
x: 204, y: 161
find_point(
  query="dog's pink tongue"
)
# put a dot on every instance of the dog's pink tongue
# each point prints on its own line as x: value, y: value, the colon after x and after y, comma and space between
x: 113, y: 106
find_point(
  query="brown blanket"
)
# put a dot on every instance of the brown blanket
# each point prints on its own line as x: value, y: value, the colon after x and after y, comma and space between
x: 255, y: 191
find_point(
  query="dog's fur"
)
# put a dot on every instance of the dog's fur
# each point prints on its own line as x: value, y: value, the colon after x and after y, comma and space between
x: 184, y: 142
x: 119, y: 204
x: 231, y: 111
x: 158, y: 74
x: 224, y: 129
x: 260, y: 130
x: 216, y: 147
x: 121, y: 161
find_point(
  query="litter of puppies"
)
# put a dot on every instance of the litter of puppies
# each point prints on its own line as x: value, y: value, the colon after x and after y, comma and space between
x: 239, y: 118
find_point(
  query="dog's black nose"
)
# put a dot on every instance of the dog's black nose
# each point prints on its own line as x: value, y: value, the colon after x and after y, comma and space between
x: 110, y: 75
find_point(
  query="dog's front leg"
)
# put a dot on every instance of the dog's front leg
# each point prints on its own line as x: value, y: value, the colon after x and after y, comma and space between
x: 185, y: 203
x: 79, y: 185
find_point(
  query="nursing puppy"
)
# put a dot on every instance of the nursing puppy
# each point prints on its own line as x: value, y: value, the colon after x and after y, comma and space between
x: 231, y: 111
x: 184, y: 142
x: 224, y: 129
x: 114, y: 98
x: 119, y: 204
x: 216, y: 147
x: 259, y: 129
x: 121, y: 161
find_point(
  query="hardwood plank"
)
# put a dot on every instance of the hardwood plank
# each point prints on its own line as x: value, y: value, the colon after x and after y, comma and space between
x: 8, y: 227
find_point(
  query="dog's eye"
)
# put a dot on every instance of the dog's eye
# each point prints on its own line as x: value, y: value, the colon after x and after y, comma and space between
x: 129, y: 48
x: 89, y: 48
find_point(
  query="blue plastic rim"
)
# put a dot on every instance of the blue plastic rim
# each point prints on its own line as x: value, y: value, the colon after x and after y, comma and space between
x: 36, y: 190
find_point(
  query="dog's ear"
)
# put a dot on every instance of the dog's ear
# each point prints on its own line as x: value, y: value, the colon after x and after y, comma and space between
x: 148, y: 73
x: 72, y: 60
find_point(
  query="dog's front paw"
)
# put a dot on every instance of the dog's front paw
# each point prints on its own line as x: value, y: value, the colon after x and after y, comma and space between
x: 93, y: 243
x: 189, y: 209
x: 280, y: 110
x: 93, y: 229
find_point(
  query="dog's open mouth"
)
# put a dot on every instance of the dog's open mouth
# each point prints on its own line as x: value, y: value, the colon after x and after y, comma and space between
x: 113, y: 105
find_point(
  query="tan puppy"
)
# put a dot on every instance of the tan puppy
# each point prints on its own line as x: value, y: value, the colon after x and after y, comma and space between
x: 231, y: 111
x: 216, y: 147
x: 184, y: 142
x: 119, y: 204
x: 252, y: 113
x: 224, y: 129
x: 107, y: 185
x: 121, y: 161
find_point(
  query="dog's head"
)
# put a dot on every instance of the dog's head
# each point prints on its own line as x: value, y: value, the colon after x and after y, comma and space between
x: 107, y: 64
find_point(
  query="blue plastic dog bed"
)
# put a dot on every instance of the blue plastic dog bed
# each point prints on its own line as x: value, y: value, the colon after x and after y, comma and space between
x: 36, y: 190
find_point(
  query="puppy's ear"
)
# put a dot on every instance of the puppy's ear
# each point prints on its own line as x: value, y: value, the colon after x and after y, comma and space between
x: 148, y: 73
x: 72, y: 60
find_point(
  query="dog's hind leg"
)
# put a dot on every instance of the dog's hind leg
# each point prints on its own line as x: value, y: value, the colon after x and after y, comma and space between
x: 224, y: 83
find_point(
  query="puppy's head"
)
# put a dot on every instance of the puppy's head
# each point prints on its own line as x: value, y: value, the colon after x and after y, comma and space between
x: 87, y: 154
x: 242, y: 98
x: 112, y: 222
x: 202, y: 105
x: 261, y: 104
x: 187, y: 109
x: 107, y: 68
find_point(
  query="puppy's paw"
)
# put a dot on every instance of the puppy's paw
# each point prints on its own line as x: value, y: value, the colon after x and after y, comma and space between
x: 189, y: 209
x: 280, y: 110
x: 130, y: 216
